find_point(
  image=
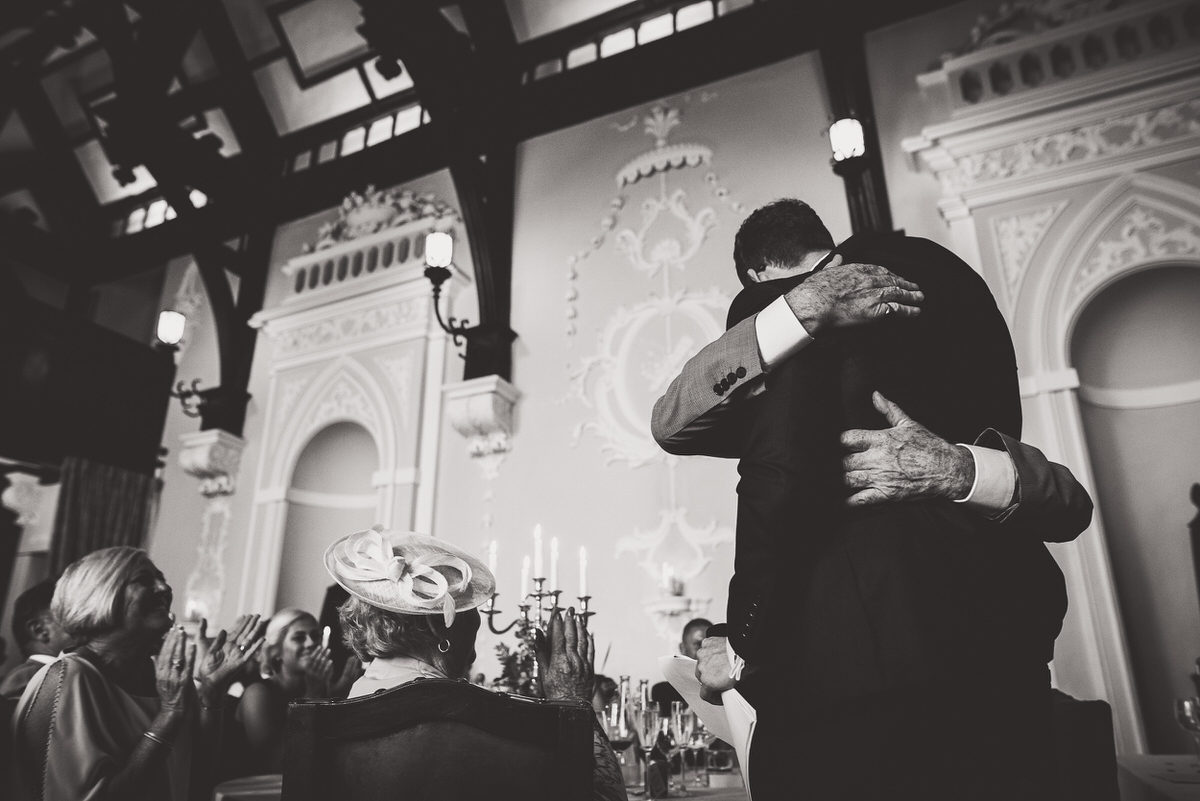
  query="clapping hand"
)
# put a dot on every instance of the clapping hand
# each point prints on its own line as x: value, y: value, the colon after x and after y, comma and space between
x: 173, y: 670
x: 227, y: 656
x: 903, y: 463
x: 566, y: 658
x: 843, y: 295
x: 318, y: 673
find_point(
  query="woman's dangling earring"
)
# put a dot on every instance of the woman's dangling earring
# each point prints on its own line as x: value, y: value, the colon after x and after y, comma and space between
x: 444, y: 646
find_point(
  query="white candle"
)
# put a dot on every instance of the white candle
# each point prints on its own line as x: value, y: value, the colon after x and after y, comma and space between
x: 582, y: 572
x: 554, y: 563
x: 325, y: 637
x: 537, y: 552
x: 524, y: 578
x: 492, y: 557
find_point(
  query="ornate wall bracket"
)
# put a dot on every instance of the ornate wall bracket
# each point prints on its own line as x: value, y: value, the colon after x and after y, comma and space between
x: 481, y: 410
x: 213, y: 456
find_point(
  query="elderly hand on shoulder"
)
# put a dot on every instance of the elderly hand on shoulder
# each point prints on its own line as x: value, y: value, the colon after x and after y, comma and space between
x: 566, y: 657
x: 844, y: 295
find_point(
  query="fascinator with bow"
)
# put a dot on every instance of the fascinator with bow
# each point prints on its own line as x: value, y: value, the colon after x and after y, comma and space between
x: 409, y: 573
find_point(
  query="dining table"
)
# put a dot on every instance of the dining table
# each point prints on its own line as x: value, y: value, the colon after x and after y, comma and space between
x: 1159, y: 777
x: 269, y: 787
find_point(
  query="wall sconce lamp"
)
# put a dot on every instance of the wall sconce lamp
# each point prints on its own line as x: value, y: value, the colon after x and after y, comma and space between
x: 170, y: 328
x: 847, y: 139
x: 439, y: 253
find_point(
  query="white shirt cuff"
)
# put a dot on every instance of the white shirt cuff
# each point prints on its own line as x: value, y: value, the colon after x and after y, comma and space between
x: 995, y: 480
x: 779, y: 333
x: 736, y: 663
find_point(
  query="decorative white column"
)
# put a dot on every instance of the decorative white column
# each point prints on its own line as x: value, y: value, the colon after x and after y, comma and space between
x: 214, y: 457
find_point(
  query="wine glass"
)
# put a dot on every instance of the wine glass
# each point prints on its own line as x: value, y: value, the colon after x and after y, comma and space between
x: 1187, y: 715
x: 683, y: 721
x: 647, y: 723
x: 616, y: 727
x: 700, y: 740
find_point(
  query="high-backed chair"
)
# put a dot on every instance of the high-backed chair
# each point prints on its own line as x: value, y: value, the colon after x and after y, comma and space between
x: 435, y: 739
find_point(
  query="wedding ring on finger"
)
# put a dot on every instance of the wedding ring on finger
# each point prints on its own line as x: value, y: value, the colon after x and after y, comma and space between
x: 177, y: 664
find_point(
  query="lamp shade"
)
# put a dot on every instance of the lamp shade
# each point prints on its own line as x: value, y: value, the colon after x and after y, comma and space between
x: 170, y: 327
x: 846, y: 139
x: 439, y: 249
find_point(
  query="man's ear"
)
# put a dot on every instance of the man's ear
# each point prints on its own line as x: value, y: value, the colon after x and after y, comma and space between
x: 38, y: 630
x: 755, y: 276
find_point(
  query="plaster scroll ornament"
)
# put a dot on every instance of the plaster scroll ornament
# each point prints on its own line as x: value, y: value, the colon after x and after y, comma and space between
x: 645, y: 341
x: 1113, y: 137
x: 481, y: 410
x: 1017, y: 239
x: 349, y: 327
x: 290, y: 394
x: 344, y: 400
x: 213, y: 456
x: 206, y: 583
x: 373, y: 210
x: 1142, y: 235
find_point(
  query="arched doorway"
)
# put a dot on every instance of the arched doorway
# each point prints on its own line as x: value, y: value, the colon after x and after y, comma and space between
x: 1136, y: 349
x: 330, y: 495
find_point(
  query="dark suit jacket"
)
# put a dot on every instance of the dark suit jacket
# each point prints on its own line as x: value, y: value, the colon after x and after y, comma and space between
x: 837, y: 603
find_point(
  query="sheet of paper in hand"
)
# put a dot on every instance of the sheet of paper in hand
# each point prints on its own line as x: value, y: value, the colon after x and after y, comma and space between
x: 733, y: 722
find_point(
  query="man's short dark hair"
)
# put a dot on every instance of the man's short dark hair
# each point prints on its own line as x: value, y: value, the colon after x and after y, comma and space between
x: 782, y: 232
x: 695, y: 623
x: 30, y: 606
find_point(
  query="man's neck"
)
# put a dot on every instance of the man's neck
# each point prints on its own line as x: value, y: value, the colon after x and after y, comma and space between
x: 810, y: 261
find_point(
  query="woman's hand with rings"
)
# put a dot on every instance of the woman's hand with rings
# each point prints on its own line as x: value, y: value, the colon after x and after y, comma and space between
x: 173, y: 670
x: 227, y: 657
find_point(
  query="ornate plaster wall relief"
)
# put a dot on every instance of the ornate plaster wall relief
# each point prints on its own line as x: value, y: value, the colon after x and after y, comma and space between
x: 400, y: 375
x: 344, y: 399
x: 290, y: 393
x: 481, y: 410
x: 1017, y: 239
x: 350, y: 327
x: 213, y: 456
x: 644, y: 343
x: 1142, y: 235
x: 1119, y: 135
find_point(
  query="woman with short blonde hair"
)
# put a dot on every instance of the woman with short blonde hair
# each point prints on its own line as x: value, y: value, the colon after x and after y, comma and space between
x: 119, y: 716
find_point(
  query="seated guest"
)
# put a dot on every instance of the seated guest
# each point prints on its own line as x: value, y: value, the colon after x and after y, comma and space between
x: 129, y: 712
x: 689, y: 645
x: 37, y: 635
x: 293, y: 664
x: 412, y: 613
x: 604, y: 690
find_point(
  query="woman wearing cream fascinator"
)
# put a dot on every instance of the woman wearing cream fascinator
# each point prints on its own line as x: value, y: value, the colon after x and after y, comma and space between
x: 413, y: 613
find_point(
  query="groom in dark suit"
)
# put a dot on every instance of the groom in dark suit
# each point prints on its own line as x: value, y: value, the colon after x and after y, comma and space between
x: 866, y: 631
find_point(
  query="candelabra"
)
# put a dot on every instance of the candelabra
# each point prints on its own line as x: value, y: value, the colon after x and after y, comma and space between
x: 533, y: 611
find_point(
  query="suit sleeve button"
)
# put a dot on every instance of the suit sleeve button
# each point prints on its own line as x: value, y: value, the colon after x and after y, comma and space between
x: 717, y: 388
x: 724, y: 383
x: 732, y: 378
x: 741, y: 372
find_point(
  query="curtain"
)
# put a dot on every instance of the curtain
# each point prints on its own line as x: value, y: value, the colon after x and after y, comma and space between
x: 100, y: 506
